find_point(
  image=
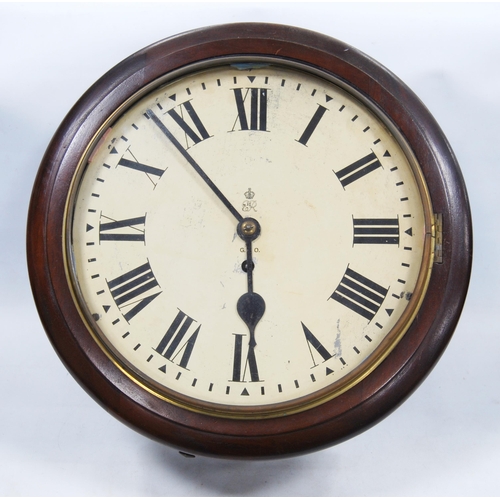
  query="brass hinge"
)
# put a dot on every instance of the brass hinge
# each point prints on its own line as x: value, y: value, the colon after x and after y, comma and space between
x: 438, y: 238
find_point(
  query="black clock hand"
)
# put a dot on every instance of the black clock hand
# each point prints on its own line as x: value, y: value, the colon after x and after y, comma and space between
x: 251, y: 305
x: 193, y: 163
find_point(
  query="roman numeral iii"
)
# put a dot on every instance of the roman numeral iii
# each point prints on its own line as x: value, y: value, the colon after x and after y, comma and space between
x: 129, y: 290
x: 375, y: 231
x: 171, y: 346
x: 359, y: 294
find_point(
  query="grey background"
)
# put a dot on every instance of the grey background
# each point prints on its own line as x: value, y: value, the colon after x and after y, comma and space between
x: 54, y: 440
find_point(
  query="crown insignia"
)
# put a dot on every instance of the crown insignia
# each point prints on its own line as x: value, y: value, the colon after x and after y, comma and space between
x: 249, y: 194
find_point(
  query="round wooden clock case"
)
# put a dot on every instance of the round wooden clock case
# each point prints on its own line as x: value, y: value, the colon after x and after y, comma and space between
x: 309, y: 336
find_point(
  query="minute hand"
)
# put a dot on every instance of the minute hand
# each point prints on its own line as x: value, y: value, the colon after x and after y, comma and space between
x: 193, y: 163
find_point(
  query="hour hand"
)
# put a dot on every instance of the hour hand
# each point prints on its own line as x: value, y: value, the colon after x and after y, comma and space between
x: 251, y: 306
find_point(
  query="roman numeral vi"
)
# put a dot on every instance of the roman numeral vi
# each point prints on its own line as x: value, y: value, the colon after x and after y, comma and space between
x: 239, y: 365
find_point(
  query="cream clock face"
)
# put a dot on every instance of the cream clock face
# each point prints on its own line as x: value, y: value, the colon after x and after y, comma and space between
x: 245, y: 160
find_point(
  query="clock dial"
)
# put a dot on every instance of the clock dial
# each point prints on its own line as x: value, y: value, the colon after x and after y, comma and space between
x: 248, y: 238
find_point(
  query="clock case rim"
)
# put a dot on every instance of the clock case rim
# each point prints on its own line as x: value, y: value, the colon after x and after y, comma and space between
x: 334, y: 421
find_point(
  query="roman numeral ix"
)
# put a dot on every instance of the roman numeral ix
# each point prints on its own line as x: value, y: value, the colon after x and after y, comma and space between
x: 122, y: 230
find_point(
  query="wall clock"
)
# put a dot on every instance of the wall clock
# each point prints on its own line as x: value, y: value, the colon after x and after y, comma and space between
x: 249, y: 240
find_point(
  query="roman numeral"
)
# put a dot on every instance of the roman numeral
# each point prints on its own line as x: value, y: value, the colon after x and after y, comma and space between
x: 358, y: 169
x: 376, y: 231
x: 134, y: 229
x: 359, y: 294
x: 240, y: 366
x: 313, y: 123
x: 129, y: 290
x: 258, y: 108
x: 313, y: 342
x: 198, y: 135
x: 141, y: 167
x: 171, y: 345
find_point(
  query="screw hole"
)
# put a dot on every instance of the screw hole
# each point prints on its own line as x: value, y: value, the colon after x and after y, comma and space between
x: 244, y: 266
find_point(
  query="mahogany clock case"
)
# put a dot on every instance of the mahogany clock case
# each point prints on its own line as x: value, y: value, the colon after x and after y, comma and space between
x: 344, y: 416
